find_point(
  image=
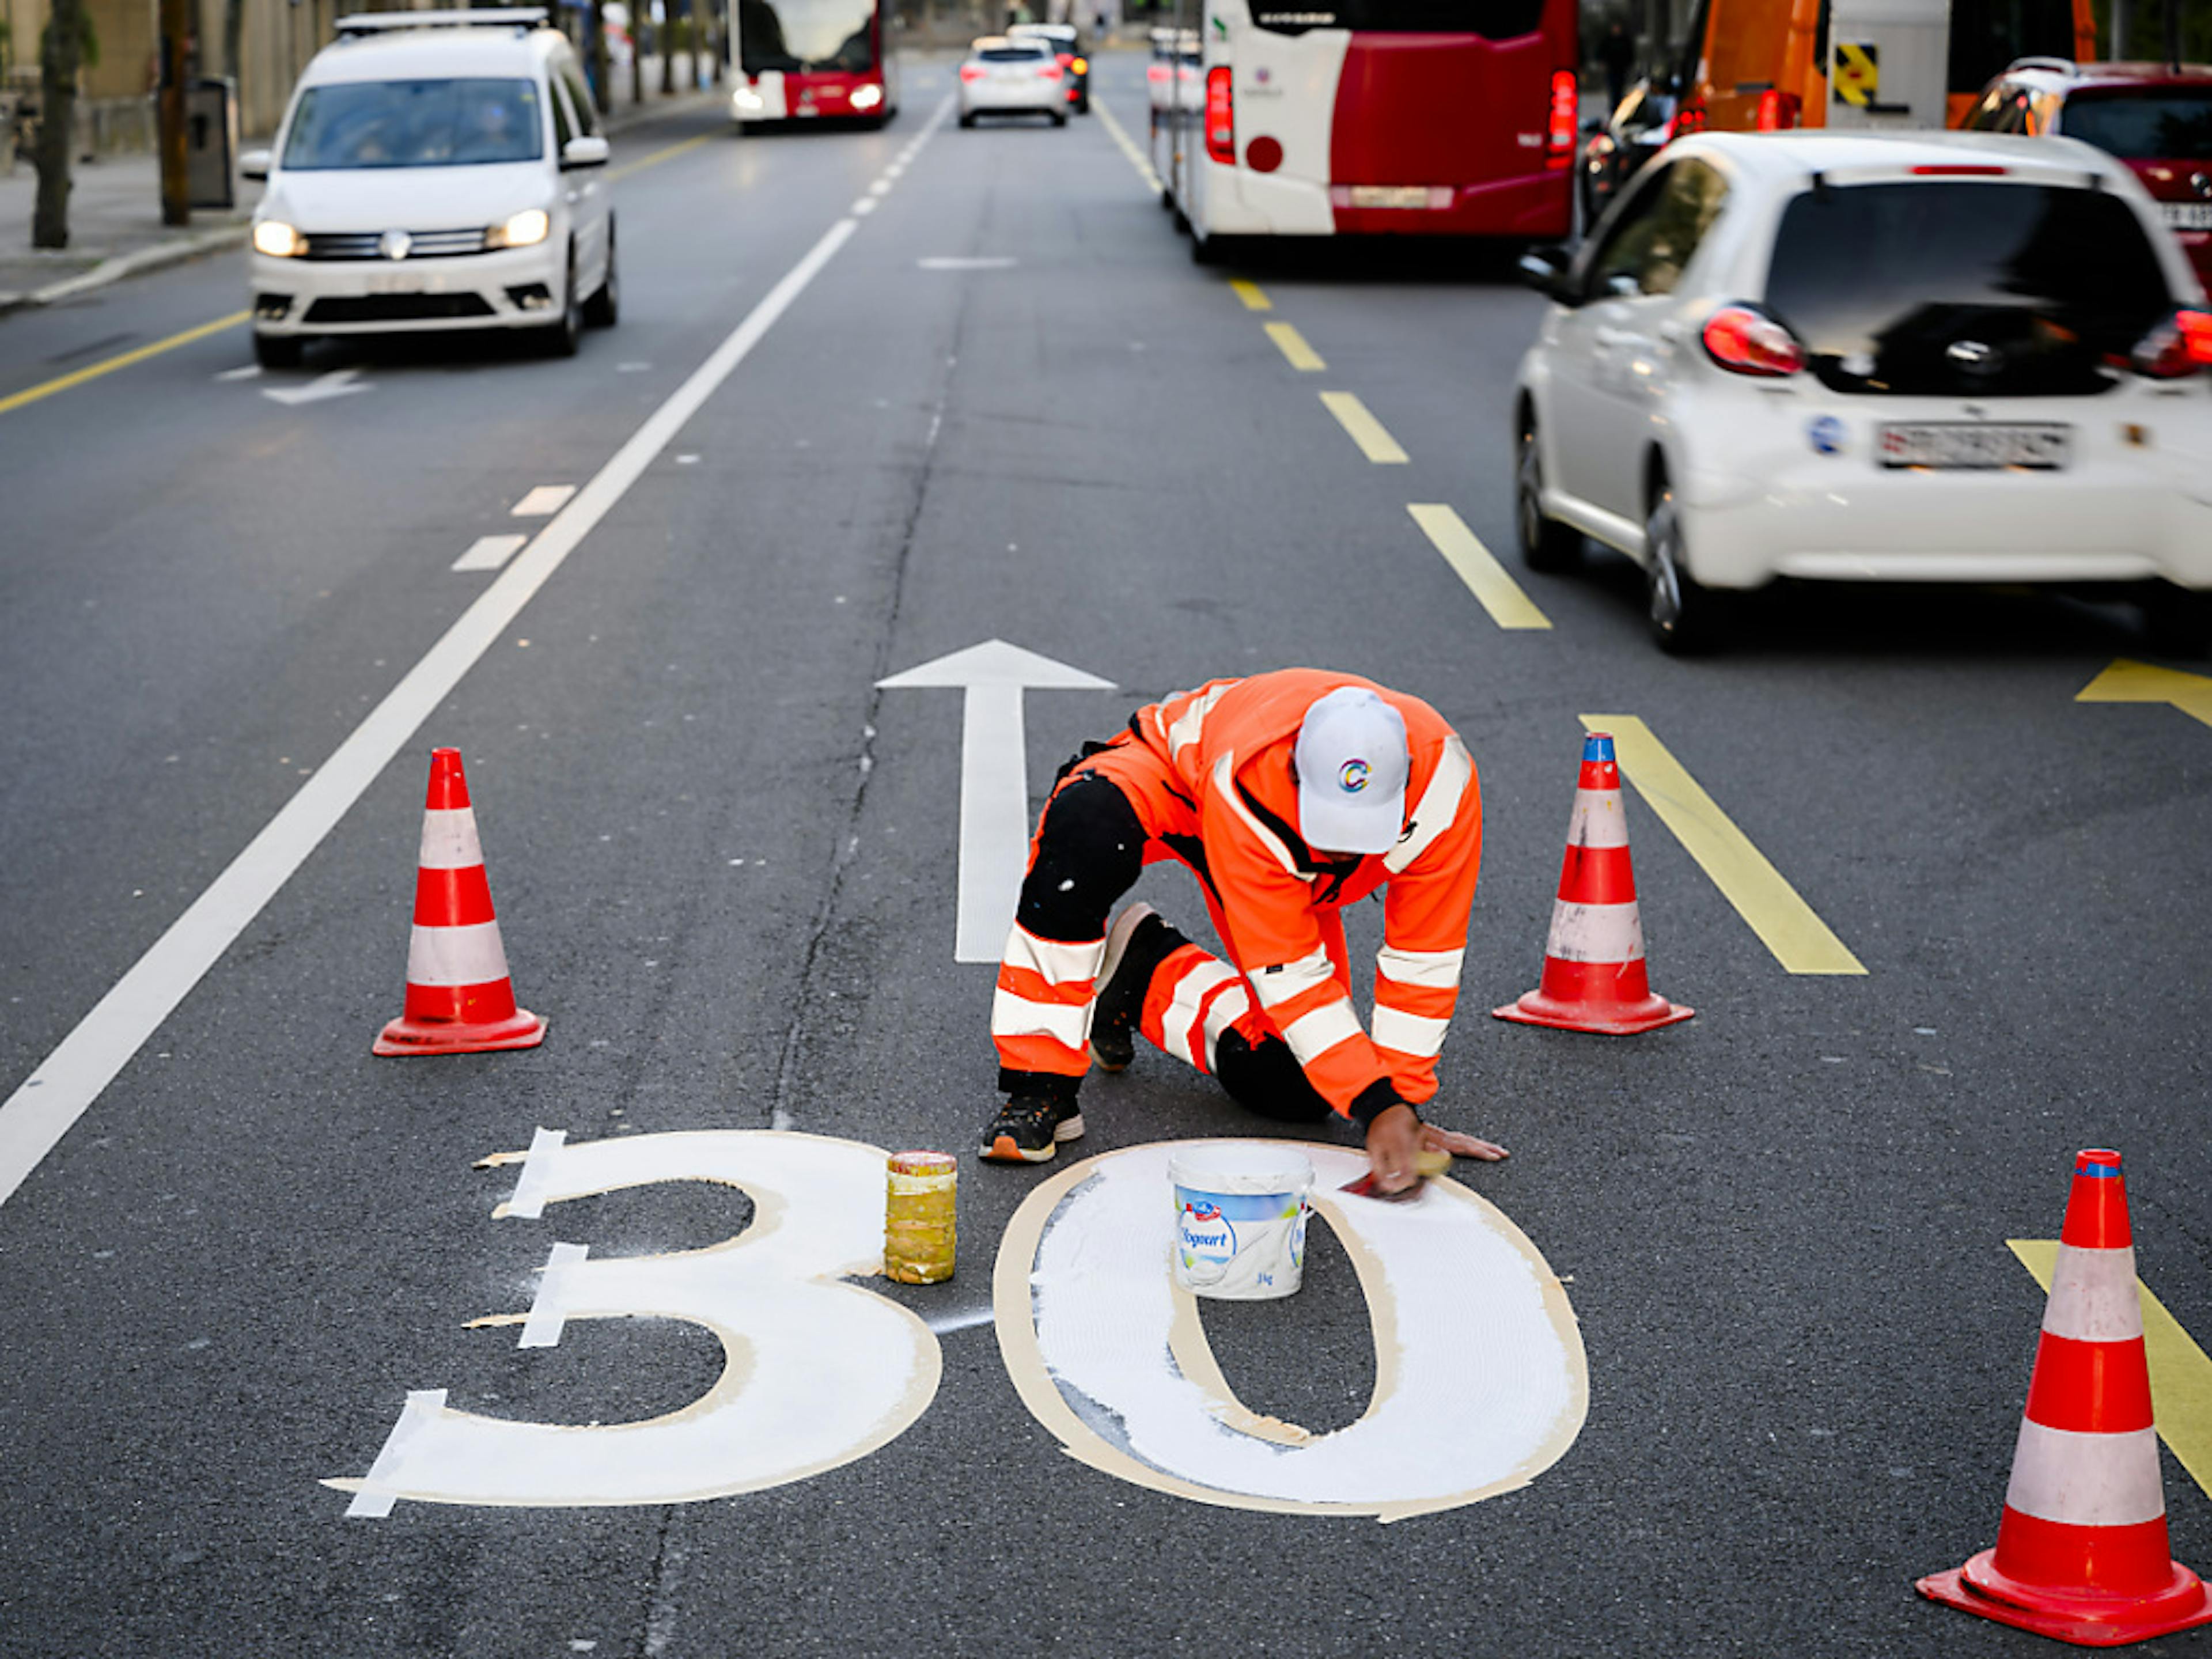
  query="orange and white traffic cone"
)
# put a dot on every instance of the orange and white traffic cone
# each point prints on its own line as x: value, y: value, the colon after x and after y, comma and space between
x: 2081, y: 1551
x: 459, y: 999
x: 1594, y: 977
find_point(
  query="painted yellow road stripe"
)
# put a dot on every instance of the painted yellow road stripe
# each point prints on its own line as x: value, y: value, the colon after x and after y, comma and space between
x: 2180, y: 1374
x: 1785, y: 924
x: 124, y: 360
x: 1501, y: 596
x: 660, y: 155
x: 1294, y: 346
x: 2126, y: 681
x: 1122, y: 142
x: 1253, y: 296
x: 1375, y: 442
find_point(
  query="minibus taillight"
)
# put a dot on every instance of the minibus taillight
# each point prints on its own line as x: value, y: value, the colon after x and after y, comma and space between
x: 1220, y: 116
x: 1559, y: 140
x: 1778, y: 110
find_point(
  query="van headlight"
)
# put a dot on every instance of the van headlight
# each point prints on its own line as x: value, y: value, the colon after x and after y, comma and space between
x: 867, y: 97
x: 523, y: 229
x: 278, y: 239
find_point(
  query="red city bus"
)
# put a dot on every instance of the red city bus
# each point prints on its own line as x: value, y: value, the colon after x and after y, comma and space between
x: 801, y: 59
x: 1331, y: 117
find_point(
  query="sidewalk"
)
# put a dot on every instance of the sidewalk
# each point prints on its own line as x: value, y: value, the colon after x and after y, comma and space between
x: 115, y: 208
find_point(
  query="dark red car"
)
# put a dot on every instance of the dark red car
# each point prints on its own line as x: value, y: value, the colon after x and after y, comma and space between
x: 2157, y: 117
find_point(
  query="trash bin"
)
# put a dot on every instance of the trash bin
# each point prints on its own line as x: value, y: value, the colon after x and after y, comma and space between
x: 211, y: 142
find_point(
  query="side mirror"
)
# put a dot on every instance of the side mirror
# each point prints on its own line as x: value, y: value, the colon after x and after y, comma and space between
x: 253, y: 164
x: 587, y: 152
x: 1545, y: 269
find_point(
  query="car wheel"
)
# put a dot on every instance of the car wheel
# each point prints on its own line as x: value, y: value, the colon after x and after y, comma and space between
x: 278, y: 350
x: 1681, y: 612
x: 1547, y: 545
x: 967, y: 120
x: 604, y: 309
x: 1060, y: 117
x: 561, y: 339
x: 2178, y: 621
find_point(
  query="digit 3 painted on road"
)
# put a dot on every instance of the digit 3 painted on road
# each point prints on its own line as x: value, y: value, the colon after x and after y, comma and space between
x: 817, y: 1373
x: 1480, y: 1382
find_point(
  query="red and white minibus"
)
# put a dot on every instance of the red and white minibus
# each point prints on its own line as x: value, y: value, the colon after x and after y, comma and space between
x: 1323, y: 118
x: 801, y: 59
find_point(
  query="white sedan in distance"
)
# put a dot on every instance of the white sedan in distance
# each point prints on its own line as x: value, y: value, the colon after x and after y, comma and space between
x: 1947, y: 357
x: 1003, y: 76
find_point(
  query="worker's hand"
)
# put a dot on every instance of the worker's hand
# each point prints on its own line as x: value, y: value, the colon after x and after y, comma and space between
x: 1392, y: 1140
x: 1459, y: 1145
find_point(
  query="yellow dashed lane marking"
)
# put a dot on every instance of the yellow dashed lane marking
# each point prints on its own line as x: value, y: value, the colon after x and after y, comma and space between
x: 1785, y: 924
x: 1501, y: 596
x: 2180, y: 1374
x: 123, y: 360
x: 1252, y: 295
x: 1294, y: 346
x: 1374, y: 441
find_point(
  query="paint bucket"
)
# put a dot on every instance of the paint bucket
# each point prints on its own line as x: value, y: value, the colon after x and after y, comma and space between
x: 918, y: 1216
x: 1240, y: 1214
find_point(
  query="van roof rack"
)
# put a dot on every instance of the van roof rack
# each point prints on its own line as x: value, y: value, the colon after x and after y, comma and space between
x: 361, y: 24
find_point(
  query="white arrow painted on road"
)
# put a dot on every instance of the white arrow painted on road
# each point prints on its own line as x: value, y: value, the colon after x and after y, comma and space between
x: 336, y: 383
x: 994, y: 783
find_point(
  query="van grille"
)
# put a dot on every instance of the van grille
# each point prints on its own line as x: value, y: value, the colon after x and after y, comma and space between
x: 422, y: 244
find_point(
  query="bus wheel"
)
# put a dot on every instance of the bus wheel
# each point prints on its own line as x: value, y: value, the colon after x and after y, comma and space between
x: 1211, y: 250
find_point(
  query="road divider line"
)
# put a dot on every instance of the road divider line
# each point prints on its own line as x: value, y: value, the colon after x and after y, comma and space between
x: 2127, y: 681
x: 122, y: 360
x: 1128, y: 147
x: 1785, y: 924
x: 1294, y: 346
x: 1374, y: 439
x: 543, y: 501
x: 660, y: 155
x: 2180, y: 1374
x: 1487, y: 579
x: 1253, y: 296
x: 47, y: 1104
x: 489, y: 552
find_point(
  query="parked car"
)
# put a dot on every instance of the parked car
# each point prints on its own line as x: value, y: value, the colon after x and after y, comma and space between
x: 2156, y: 117
x: 1636, y: 130
x: 1006, y: 77
x: 1067, y: 47
x: 434, y: 170
x: 1871, y: 357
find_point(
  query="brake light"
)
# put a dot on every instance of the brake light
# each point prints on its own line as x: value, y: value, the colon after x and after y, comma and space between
x: 1745, y: 340
x: 971, y: 71
x: 1778, y: 110
x: 1220, y: 118
x: 2178, y: 347
x: 1064, y: 58
x: 1156, y: 73
x: 1689, y: 118
x: 1052, y: 71
x: 1559, y: 140
x: 1956, y: 170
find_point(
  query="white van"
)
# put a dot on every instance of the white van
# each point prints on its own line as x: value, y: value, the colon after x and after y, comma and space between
x: 436, y: 170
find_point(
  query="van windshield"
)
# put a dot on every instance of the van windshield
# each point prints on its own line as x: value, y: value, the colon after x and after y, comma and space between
x: 2165, y: 125
x: 415, y: 124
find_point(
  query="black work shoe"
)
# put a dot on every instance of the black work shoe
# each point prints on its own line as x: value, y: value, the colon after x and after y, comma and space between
x: 1136, y: 944
x: 1027, y: 1129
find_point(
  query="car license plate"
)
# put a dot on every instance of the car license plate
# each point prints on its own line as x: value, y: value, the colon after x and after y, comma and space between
x: 1390, y: 195
x: 1959, y: 444
x: 394, y: 282
x: 2187, y: 216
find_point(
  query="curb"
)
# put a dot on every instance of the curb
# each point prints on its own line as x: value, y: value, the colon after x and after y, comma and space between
x: 155, y: 258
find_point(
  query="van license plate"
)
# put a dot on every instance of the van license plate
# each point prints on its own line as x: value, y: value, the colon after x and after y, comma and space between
x: 1390, y: 195
x: 1959, y: 444
x: 2187, y: 216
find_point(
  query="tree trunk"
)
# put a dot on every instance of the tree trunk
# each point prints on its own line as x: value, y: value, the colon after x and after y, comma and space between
x: 233, y: 48
x: 58, y: 54
x: 663, y: 36
x: 636, y: 53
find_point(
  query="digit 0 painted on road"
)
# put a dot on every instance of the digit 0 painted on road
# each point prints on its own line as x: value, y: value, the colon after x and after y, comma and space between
x: 1481, y: 1383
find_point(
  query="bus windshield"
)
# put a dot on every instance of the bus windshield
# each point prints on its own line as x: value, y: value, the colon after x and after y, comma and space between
x: 1496, y: 20
x: 799, y: 36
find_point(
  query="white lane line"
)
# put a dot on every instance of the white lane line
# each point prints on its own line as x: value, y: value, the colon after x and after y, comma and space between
x: 489, y: 552
x: 948, y: 262
x: 863, y: 208
x: 881, y: 187
x: 543, y: 501
x: 1127, y: 146
x: 53, y: 1097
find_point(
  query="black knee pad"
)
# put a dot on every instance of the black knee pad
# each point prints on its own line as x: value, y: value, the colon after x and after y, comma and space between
x: 1091, y: 850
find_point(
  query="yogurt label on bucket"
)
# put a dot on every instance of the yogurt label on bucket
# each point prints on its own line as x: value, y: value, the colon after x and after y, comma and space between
x: 1241, y: 1245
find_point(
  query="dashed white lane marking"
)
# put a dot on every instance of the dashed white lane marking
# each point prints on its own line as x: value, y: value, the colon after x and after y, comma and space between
x: 49, y: 1102
x: 949, y: 262
x: 881, y: 187
x: 863, y: 208
x: 251, y: 372
x: 1128, y: 147
x: 543, y: 501
x: 489, y: 552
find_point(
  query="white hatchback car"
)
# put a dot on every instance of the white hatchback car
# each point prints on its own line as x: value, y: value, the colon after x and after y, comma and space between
x: 436, y: 170
x: 1857, y: 357
x: 1004, y: 76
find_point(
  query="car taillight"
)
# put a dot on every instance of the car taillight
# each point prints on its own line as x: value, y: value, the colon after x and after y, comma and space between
x: 1156, y: 73
x: 1956, y: 170
x: 1689, y: 118
x: 1051, y: 71
x: 1064, y: 58
x: 971, y: 71
x: 1745, y: 340
x: 1559, y: 140
x: 2179, y: 346
x: 1778, y: 110
x: 1220, y: 118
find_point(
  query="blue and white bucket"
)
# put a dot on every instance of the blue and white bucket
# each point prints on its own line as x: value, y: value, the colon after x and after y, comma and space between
x: 1240, y: 1216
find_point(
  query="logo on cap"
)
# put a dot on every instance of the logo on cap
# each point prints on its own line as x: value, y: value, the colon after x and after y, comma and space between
x: 1353, y: 777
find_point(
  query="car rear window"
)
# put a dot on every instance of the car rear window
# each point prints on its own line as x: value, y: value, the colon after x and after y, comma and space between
x: 415, y: 124
x: 1013, y: 54
x: 2167, y: 124
x: 1959, y: 288
x: 1495, y: 20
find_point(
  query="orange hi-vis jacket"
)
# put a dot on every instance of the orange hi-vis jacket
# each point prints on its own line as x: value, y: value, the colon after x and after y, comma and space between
x: 1211, y: 777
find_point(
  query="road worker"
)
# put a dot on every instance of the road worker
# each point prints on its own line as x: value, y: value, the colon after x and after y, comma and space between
x: 1289, y: 795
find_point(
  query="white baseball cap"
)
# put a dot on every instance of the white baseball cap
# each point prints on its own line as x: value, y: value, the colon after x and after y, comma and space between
x: 1353, y: 764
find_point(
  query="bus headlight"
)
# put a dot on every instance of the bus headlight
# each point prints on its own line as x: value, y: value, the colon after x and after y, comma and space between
x: 867, y: 97
x: 278, y: 239
x: 745, y: 102
x: 524, y: 229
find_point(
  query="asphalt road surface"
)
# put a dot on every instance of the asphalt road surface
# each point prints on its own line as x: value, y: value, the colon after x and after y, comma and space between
x: 1000, y: 404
